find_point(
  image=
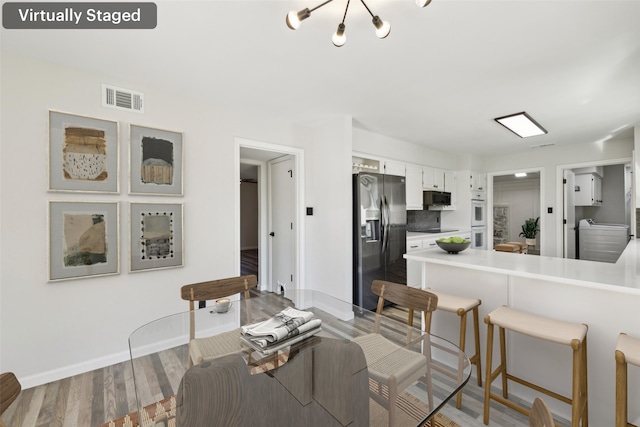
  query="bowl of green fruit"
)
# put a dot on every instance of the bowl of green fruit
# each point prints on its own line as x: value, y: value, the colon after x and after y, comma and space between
x: 453, y: 245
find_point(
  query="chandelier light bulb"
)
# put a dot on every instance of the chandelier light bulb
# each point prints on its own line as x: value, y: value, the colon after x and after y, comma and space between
x: 295, y: 18
x: 339, y: 38
x: 382, y: 27
x: 422, y: 3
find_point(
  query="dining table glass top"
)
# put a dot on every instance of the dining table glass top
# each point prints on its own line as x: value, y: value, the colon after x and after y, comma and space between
x: 340, y: 365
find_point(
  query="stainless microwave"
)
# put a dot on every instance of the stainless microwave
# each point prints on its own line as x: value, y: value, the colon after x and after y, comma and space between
x: 436, y: 198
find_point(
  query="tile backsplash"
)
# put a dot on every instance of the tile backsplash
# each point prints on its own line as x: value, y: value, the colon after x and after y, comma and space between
x: 420, y: 220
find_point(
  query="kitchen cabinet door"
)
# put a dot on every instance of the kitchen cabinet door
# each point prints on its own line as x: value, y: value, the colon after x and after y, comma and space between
x: 432, y: 179
x: 394, y: 168
x: 413, y: 186
x: 450, y: 187
x: 414, y: 268
x: 597, y: 190
x: 478, y: 181
x: 427, y: 178
x: 588, y: 190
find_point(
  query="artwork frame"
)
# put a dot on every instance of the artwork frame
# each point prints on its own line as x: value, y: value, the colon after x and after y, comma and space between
x: 155, y: 161
x: 164, y: 236
x: 76, y: 239
x: 83, y: 154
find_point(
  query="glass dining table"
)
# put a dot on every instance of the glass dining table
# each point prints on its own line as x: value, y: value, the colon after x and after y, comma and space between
x: 340, y: 365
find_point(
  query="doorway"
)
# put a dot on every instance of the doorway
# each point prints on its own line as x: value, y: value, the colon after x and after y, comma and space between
x: 513, y: 197
x: 249, y: 218
x: 279, y: 251
x: 599, y: 191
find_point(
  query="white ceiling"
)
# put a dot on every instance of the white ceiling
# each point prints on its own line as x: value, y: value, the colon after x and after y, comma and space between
x: 440, y: 78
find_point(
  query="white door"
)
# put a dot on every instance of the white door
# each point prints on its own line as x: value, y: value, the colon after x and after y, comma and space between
x: 569, y: 208
x: 282, y: 222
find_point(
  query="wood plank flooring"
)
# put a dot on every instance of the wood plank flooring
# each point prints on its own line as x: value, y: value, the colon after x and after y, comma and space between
x: 96, y: 397
x: 249, y: 262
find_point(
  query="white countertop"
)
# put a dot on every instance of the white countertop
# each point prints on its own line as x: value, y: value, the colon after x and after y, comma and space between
x: 622, y: 276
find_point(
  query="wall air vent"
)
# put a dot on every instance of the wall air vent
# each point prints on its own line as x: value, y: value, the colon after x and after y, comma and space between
x: 122, y: 99
x: 551, y: 144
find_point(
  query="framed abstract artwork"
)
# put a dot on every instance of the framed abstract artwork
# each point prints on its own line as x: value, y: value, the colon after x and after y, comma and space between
x: 501, y: 223
x: 83, y: 153
x: 156, y: 236
x: 83, y: 239
x: 155, y: 161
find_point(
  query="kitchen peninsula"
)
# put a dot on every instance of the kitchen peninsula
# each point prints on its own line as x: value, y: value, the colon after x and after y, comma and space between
x: 605, y: 296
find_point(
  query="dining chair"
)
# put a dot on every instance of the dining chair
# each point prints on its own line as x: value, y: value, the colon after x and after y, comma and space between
x: 9, y: 391
x: 392, y: 368
x: 540, y: 415
x: 322, y: 384
x: 201, y: 349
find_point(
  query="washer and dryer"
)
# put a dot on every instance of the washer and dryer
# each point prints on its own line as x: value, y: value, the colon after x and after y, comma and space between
x: 601, y: 242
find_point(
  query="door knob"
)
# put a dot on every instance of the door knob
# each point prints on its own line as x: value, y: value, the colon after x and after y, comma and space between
x: 272, y: 234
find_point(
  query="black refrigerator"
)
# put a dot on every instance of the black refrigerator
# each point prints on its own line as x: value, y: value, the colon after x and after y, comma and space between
x: 379, y: 234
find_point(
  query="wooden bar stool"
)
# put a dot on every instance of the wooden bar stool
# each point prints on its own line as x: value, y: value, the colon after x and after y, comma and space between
x: 627, y: 351
x: 461, y: 306
x: 573, y: 335
x: 506, y: 247
x: 522, y: 246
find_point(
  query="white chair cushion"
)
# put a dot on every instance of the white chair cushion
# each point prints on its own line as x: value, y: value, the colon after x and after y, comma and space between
x: 385, y: 358
x: 453, y: 303
x: 630, y: 346
x: 557, y: 331
x: 211, y: 347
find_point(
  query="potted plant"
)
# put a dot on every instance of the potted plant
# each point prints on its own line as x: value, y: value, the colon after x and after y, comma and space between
x: 530, y: 229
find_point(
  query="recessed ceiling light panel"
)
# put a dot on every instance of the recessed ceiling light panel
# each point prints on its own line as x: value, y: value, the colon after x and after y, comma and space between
x: 521, y: 124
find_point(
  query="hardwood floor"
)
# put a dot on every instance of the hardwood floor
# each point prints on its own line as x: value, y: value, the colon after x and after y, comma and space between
x: 249, y: 262
x: 93, y: 398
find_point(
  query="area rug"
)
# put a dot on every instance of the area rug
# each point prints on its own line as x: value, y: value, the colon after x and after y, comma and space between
x: 410, y: 413
x: 163, y: 410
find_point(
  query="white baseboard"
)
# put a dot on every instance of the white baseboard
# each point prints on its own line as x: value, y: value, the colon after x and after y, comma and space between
x: 71, y: 370
x: 102, y: 362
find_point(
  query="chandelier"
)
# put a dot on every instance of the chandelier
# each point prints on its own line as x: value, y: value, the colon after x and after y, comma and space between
x: 339, y: 38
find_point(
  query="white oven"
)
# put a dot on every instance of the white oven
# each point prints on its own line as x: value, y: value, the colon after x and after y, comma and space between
x: 479, y: 237
x: 478, y: 213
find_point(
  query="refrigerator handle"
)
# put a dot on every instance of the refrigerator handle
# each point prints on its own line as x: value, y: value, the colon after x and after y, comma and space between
x: 388, y: 221
x: 383, y: 224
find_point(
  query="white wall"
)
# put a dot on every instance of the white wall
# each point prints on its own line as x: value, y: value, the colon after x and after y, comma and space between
x: 371, y: 143
x: 548, y: 159
x: 328, y: 248
x: 85, y: 323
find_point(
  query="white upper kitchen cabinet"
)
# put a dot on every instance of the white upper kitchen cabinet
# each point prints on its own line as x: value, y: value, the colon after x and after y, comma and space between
x: 413, y: 186
x: 432, y: 178
x: 392, y: 167
x: 588, y: 190
x: 478, y: 181
x: 450, y: 187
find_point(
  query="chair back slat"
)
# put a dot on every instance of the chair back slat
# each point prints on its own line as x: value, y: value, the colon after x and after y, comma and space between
x: 214, y: 289
x: 407, y: 297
